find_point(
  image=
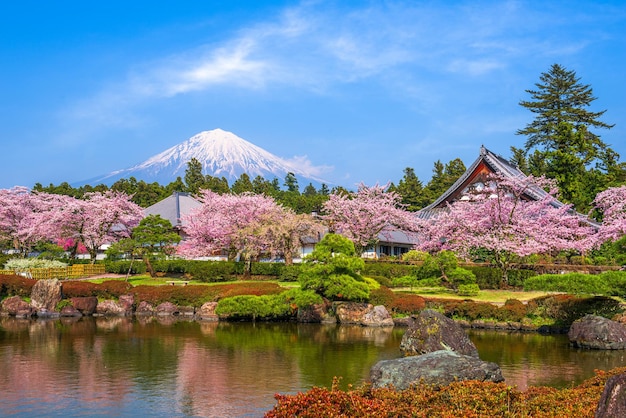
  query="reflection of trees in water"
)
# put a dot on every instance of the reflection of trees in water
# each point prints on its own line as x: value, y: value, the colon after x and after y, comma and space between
x: 532, y: 359
x: 212, y: 369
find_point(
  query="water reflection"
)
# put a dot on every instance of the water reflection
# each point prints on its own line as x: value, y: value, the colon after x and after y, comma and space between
x: 530, y: 359
x: 118, y: 366
x: 166, y: 367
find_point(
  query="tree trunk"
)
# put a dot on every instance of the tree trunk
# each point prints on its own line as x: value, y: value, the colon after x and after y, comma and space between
x: 149, y: 266
x: 288, y: 258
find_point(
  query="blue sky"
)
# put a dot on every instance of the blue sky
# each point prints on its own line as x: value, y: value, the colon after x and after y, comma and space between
x: 356, y: 90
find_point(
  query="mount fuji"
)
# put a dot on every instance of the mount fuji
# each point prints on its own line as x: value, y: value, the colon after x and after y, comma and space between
x: 221, y: 153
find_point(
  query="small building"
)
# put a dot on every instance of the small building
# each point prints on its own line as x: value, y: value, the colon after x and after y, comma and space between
x: 174, y: 208
x: 474, y: 178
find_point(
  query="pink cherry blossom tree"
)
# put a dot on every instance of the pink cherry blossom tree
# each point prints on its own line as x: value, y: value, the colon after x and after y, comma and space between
x: 24, y: 217
x: 611, y: 204
x: 366, y: 214
x: 228, y: 223
x: 509, y: 217
x: 244, y: 226
x: 286, y: 233
x: 97, y: 219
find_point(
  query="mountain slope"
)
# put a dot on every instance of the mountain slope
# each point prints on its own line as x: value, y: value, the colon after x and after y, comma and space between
x: 221, y: 153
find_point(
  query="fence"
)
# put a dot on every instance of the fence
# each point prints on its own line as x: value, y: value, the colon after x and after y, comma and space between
x: 70, y: 272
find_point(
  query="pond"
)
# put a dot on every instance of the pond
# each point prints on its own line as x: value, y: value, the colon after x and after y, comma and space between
x: 167, y: 367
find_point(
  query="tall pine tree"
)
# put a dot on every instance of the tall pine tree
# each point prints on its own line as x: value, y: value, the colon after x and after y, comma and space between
x: 560, y: 141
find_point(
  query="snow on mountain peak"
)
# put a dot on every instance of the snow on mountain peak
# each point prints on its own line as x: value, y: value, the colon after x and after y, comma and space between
x: 221, y: 153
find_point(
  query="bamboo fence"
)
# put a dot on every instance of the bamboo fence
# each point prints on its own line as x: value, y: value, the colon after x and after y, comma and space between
x: 70, y: 272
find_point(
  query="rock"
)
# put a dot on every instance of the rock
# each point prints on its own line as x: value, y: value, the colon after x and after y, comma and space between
x: 144, y: 309
x: 85, y: 305
x: 187, y: 311
x: 314, y: 314
x: 110, y: 307
x: 596, y: 332
x: 613, y: 400
x: 70, y: 311
x: 377, y: 317
x: 127, y: 302
x: 403, y: 322
x: 46, y: 294
x: 166, y: 309
x: 207, y: 312
x: 15, y: 306
x: 436, y: 368
x: 351, y: 312
x: 431, y: 331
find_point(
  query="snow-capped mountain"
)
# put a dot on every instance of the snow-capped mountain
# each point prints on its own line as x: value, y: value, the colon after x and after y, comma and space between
x: 221, y: 153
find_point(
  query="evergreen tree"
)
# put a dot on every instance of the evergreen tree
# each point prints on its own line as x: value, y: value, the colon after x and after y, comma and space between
x: 560, y: 143
x: 309, y: 190
x: 291, y: 183
x: 194, y: 179
x: 242, y: 185
x: 410, y: 189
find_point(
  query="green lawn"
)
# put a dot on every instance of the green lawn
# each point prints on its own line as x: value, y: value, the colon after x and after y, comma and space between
x: 492, y: 296
x: 163, y: 281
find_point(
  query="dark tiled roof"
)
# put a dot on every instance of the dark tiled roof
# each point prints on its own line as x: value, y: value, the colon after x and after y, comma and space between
x: 173, y: 208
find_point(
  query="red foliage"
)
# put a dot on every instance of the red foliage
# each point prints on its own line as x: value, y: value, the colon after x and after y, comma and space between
x: 460, y: 399
x: 14, y: 285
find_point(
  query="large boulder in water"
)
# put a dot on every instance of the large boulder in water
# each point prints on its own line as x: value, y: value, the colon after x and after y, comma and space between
x: 364, y: 314
x: 351, y: 312
x: 596, y: 332
x: 15, y: 306
x: 431, y: 331
x: 437, y: 368
x: 86, y: 305
x: 46, y: 294
x: 378, y: 317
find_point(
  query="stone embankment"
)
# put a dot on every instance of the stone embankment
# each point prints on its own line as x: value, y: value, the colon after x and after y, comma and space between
x: 46, y: 301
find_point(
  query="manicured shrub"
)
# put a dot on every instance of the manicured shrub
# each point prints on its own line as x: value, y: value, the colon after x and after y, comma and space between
x: 122, y: 267
x: 255, y: 307
x: 24, y: 264
x: 460, y: 276
x: 488, y: 277
x: 267, y: 269
x: 475, y: 310
x: 471, y: 289
x: 110, y: 289
x: 406, y: 304
x: 512, y: 310
x: 383, y: 281
x: 414, y: 256
x: 175, y: 266
x: 404, y: 281
x: 565, y: 309
x: 76, y: 289
x: 382, y: 296
x: 289, y: 273
x: 14, y: 285
x: 388, y: 270
x: 302, y: 298
x: 616, y: 281
x: 213, y: 271
x: 432, y: 282
x: 573, y: 283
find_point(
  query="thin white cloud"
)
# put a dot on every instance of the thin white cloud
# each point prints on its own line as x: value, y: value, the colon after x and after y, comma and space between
x: 315, y: 47
x: 303, y: 163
